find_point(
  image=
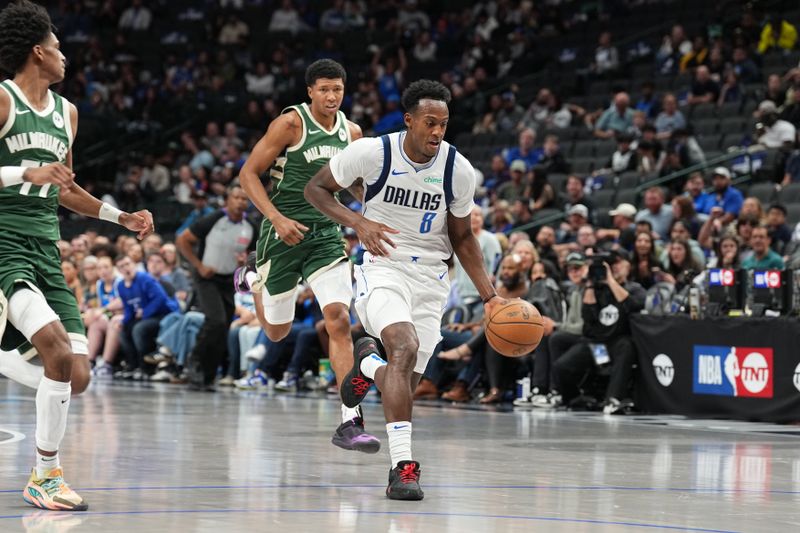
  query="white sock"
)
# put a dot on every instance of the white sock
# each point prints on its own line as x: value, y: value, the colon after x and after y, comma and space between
x: 399, y: 441
x: 371, y: 364
x: 52, y: 405
x: 349, y: 413
x: 45, y: 464
x: 14, y: 367
x: 99, y: 362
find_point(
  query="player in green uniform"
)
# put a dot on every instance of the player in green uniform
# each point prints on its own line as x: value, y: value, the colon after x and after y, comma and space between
x: 37, y: 128
x: 297, y: 241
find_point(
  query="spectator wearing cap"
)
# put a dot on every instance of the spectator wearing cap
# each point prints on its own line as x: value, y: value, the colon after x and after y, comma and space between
x: 201, y: 209
x: 772, y: 131
x: 656, y: 211
x: 624, y: 158
x: 510, y: 113
x: 724, y: 197
x: 525, y: 150
x: 623, y: 234
x: 616, y: 119
x: 577, y: 217
x: 515, y: 187
x: 779, y: 232
x: 670, y: 118
x: 575, y: 194
x: 764, y: 257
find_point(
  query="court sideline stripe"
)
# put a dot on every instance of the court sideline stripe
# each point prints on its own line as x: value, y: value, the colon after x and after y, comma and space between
x: 698, y: 490
x: 397, y: 513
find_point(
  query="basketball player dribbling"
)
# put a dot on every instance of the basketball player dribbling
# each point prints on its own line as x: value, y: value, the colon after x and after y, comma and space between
x: 416, y: 213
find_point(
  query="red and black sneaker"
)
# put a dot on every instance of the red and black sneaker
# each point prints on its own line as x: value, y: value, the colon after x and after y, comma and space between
x: 356, y: 385
x: 404, y: 482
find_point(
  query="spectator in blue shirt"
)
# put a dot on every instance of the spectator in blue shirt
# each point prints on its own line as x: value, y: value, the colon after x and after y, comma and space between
x: 525, y: 151
x: 694, y: 190
x: 728, y: 198
x: 201, y: 209
x: 145, y: 303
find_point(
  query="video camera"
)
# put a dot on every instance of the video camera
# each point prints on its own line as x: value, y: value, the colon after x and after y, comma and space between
x: 597, y: 270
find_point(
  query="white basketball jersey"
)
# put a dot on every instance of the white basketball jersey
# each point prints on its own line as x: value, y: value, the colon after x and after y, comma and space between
x: 411, y: 198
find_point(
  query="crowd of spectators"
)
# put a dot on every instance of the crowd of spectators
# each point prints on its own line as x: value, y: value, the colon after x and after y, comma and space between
x: 560, y: 150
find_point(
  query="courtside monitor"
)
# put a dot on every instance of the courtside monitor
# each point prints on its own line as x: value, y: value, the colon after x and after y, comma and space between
x: 770, y: 289
x: 724, y: 290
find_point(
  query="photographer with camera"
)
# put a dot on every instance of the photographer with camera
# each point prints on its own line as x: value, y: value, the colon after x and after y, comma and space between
x: 608, y: 301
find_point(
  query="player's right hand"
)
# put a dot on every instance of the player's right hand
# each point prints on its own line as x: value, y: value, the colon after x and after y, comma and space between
x: 372, y: 236
x: 288, y: 230
x: 55, y: 173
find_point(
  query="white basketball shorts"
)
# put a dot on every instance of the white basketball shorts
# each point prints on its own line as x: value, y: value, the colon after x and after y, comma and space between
x: 390, y: 291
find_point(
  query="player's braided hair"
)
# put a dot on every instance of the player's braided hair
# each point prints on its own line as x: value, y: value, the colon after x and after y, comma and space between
x: 424, y: 90
x: 23, y: 25
x: 325, y: 68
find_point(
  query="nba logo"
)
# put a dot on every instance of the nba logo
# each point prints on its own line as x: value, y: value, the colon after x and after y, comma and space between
x: 733, y: 371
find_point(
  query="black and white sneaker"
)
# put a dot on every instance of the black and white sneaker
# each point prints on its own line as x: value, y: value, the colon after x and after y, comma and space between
x: 356, y: 385
x: 351, y: 435
x: 240, y: 274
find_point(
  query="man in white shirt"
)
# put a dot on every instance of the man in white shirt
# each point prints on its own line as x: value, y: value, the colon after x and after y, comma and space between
x: 774, y: 132
x: 416, y: 213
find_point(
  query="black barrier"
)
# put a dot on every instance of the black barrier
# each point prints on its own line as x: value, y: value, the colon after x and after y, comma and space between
x: 744, y: 368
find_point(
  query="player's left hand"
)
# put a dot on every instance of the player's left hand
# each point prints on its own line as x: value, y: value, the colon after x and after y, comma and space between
x: 490, y: 306
x: 140, y: 222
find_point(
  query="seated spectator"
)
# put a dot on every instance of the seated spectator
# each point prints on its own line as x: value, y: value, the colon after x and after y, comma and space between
x: 679, y: 231
x: 585, y: 240
x: 607, y: 307
x: 136, y: 17
x: 680, y: 268
x: 623, y: 233
x: 779, y: 232
x: 727, y: 253
x: 490, y: 251
x: 644, y: 264
x: 498, y: 173
x: 791, y: 112
x: 515, y: 188
x: 488, y: 122
x: 673, y: 47
x: 683, y: 209
x: 102, y: 322
x: 521, y: 209
x: 764, y: 257
x: 656, y: 211
x: 697, y: 56
x: 577, y: 217
x: 545, y: 245
x: 773, y: 132
x: 286, y: 19
x: 525, y: 150
x: 73, y: 280
x: 725, y: 196
x: 539, y: 191
x: 392, y: 118
x: 616, y: 119
x: 501, y: 219
x: 575, y: 194
x: 647, y: 157
x: 731, y: 90
x: 527, y: 255
x: 744, y: 67
x: 145, y: 303
x: 606, y: 57
x: 510, y: 113
x: 776, y: 93
x: 704, y: 90
x: 552, y: 158
x: 670, y: 118
x: 693, y: 189
x: 777, y: 34
x: 177, y: 279
x: 647, y: 101
x: 624, y: 158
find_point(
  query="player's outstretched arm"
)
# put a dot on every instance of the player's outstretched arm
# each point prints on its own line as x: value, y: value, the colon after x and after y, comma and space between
x: 75, y: 198
x: 466, y: 247
x: 281, y: 133
x: 319, y: 192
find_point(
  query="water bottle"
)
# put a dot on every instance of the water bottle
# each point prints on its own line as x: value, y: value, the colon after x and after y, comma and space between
x: 694, y: 303
x: 524, y: 388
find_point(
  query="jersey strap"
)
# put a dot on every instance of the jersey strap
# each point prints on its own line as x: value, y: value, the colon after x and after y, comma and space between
x: 447, y: 180
x: 375, y: 188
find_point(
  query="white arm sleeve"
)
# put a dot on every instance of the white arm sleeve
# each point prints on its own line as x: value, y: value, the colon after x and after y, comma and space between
x: 463, y: 187
x: 363, y: 158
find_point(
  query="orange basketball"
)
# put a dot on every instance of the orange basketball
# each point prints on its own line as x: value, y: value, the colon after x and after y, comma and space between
x: 515, y: 329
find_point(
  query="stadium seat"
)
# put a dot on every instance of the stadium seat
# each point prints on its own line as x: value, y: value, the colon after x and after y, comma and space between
x: 730, y: 125
x: 602, y: 218
x: 583, y: 166
x: 792, y: 214
x: 583, y: 149
x: 765, y: 192
x: 703, y: 111
x: 628, y: 180
x: 790, y: 194
x: 627, y: 196
x: 558, y: 182
x: 706, y: 126
x: 603, y: 197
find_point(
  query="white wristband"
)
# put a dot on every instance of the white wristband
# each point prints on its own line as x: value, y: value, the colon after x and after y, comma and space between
x: 109, y: 213
x: 10, y: 176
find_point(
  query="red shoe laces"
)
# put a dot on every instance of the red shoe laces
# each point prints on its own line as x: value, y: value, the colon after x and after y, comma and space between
x: 409, y: 474
x: 360, y: 386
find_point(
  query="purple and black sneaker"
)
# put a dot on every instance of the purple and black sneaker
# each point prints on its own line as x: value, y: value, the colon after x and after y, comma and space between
x: 240, y: 274
x: 351, y: 435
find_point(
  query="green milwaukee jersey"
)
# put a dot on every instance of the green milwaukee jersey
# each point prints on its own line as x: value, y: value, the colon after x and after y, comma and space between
x: 32, y: 138
x: 298, y: 164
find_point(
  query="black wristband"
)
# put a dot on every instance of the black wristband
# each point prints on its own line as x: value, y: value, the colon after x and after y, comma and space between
x: 486, y: 300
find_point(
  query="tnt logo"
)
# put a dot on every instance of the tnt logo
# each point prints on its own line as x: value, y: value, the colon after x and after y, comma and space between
x: 733, y: 371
